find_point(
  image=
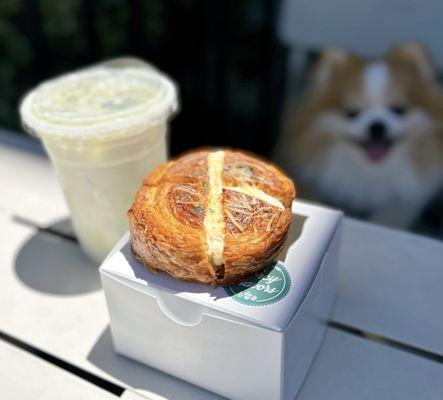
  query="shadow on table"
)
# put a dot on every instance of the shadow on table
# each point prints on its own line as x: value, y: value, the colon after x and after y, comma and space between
x: 140, y: 376
x: 51, y: 261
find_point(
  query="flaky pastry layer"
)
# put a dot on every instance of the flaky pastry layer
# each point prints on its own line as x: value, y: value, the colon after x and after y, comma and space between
x: 211, y: 216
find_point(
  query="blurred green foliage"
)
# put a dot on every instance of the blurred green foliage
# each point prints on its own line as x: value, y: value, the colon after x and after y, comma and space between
x: 14, y: 59
x: 60, y: 32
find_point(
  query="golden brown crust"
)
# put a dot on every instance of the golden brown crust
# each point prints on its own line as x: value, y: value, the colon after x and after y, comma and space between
x: 167, y: 218
x: 241, y: 169
x: 252, y: 239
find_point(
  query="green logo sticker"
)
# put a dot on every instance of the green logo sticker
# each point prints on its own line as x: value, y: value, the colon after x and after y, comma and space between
x: 268, y: 287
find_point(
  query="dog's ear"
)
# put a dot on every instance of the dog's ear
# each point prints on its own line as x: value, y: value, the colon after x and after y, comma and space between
x: 417, y: 57
x: 329, y: 60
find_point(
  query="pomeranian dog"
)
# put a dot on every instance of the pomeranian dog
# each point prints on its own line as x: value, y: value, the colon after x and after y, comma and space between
x: 367, y: 135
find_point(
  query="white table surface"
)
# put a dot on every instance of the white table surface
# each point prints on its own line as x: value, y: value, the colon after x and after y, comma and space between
x: 390, y: 287
x: 27, y: 376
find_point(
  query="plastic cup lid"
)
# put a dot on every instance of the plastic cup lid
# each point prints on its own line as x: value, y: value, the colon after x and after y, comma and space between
x: 116, y: 98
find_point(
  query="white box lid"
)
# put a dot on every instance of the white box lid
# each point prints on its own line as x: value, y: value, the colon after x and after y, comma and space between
x: 271, y: 299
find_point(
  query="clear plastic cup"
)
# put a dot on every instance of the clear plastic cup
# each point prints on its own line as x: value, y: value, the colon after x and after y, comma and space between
x: 104, y: 128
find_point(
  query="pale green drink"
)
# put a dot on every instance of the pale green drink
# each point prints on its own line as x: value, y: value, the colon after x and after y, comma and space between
x: 104, y: 128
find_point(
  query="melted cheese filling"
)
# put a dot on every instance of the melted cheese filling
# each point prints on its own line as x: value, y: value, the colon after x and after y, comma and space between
x: 214, y: 222
x: 259, y: 194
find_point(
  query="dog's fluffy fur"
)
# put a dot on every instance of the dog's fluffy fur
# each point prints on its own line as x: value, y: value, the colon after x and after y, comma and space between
x: 367, y: 136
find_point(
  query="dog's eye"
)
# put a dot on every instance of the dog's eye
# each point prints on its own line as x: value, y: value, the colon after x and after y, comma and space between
x: 399, y: 109
x: 352, y: 113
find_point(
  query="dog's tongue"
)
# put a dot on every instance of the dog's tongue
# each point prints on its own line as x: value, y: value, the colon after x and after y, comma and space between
x: 376, y: 150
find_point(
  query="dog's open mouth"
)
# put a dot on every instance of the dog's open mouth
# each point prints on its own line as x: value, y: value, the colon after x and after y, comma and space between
x: 376, y: 150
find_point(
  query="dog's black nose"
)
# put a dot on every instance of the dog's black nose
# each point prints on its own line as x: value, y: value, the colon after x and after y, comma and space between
x: 377, y: 130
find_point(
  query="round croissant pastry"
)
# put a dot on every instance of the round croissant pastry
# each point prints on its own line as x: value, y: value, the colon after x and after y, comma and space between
x: 211, y: 216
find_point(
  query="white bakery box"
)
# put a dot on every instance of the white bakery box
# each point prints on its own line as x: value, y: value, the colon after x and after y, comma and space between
x: 255, y: 340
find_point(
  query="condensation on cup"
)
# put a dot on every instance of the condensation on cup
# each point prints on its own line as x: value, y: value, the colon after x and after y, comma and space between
x: 104, y: 128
